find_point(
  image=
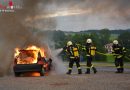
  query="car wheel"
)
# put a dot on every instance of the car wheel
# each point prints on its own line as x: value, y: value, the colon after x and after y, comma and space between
x: 17, y: 74
x: 42, y: 72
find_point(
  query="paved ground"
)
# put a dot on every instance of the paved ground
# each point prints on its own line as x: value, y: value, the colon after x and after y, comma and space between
x: 105, y: 79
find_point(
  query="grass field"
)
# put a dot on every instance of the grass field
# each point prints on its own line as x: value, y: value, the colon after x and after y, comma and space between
x: 114, y: 36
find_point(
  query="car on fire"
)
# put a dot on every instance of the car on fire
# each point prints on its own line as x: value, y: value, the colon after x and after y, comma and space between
x: 31, y: 60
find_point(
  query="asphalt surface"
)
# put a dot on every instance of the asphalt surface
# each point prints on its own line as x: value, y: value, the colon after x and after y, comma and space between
x: 105, y: 79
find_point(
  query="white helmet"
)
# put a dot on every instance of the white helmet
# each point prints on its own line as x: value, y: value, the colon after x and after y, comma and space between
x: 115, y: 42
x: 69, y: 43
x: 89, y: 40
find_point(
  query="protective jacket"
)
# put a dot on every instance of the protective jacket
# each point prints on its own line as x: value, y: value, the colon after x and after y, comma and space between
x: 72, y: 51
x: 90, y: 49
x: 118, y: 50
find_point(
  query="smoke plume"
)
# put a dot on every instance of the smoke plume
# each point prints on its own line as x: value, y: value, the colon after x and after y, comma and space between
x: 15, y: 32
x: 58, y: 65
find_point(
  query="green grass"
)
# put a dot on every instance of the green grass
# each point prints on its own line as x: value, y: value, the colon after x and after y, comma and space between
x: 114, y: 36
x: 110, y: 58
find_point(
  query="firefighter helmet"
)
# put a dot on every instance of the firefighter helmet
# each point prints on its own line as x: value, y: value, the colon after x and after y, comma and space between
x: 115, y: 42
x: 69, y: 43
x: 89, y: 40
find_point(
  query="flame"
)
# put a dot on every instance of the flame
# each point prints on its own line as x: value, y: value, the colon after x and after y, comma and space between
x: 28, y: 55
x: 31, y: 74
x: 16, y: 52
x: 41, y: 50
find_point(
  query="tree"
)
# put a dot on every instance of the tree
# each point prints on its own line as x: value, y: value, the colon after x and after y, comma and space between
x: 59, y: 38
x: 124, y: 39
x: 104, y: 35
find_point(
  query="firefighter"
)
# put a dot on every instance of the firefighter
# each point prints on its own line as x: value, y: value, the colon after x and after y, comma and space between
x: 89, y: 49
x: 118, y: 52
x: 73, y: 54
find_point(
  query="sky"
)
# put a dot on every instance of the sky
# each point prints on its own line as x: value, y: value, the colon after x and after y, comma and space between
x: 95, y: 14
x: 77, y: 15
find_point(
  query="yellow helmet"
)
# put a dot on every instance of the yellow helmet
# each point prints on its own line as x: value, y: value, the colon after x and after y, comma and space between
x: 115, y: 42
x: 69, y: 43
x: 89, y: 40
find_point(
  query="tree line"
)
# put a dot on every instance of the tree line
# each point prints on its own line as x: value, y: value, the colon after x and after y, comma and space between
x: 99, y: 37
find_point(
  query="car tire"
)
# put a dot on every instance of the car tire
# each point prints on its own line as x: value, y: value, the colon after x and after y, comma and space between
x: 17, y: 74
x: 42, y: 72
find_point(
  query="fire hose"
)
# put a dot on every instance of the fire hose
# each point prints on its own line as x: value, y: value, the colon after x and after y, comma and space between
x: 109, y: 54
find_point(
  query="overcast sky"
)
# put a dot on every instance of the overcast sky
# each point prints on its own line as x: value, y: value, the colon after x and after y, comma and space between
x: 96, y: 14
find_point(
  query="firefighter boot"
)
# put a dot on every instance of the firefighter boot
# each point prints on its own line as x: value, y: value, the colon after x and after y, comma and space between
x: 121, y: 70
x: 79, y: 71
x: 69, y: 72
x: 94, y: 70
x: 88, y: 71
x: 118, y: 70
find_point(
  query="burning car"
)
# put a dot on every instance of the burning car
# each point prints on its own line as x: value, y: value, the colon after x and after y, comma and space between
x: 31, y: 59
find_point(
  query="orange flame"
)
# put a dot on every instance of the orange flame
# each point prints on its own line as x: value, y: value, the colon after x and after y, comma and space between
x: 32, y: 74
x: 16, y: 52
x: 30, y: 56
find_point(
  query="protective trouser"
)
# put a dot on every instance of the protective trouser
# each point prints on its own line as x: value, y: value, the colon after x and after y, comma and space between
x: 71, y: 62
x: 119, y: 65
x: 89, y: 65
